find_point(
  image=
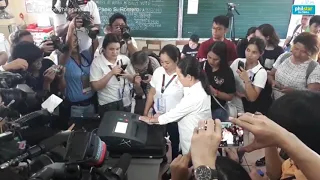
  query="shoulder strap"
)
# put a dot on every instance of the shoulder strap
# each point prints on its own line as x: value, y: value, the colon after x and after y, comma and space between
x: 285, y: 56
x: 312, y: 65
x: 254, y: 75
x: 294, y: 31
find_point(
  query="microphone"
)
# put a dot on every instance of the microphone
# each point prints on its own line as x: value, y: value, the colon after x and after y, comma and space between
x: 43, y: 147
x: 120, y: 169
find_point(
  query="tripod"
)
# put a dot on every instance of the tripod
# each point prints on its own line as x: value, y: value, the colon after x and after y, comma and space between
x: 231, y: 7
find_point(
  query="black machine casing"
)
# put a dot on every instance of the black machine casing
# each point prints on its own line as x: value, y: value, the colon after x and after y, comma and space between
x: 135, y: 134
x: 140, y: 139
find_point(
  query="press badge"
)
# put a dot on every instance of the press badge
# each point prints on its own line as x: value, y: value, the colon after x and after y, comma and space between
x: 161, y: 105
x: 86, y: 88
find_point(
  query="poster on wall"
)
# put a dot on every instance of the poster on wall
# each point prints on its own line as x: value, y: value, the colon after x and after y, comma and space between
x: 36, y: 6
x: 295, y: 20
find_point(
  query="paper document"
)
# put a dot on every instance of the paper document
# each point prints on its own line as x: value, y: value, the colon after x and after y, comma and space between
x: 193, y: 6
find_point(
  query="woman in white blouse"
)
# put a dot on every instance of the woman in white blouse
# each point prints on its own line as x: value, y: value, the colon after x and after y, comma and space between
x: 108, y: 76
x: 194, y: 106
x: 166, y: 91
x: 250, y: 78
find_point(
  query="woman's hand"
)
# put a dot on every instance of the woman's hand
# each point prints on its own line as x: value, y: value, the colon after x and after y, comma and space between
x: 286, y: 89
x: 17, y: 64
x: 240, y: 95
x: 205, y: 142
x: 214, y: 91
x: 145, y: 119
x: 243, y: 74
x: 266, y: 132
x: 137, y: 80
x: 148, y: 80
x: 60, y: 71
x: 116, y: 70
x: 49, y: 75
x: 179, y: 167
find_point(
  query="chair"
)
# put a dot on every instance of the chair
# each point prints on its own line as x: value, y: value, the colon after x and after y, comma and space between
x: 153, y: 43
x: 181, y: 42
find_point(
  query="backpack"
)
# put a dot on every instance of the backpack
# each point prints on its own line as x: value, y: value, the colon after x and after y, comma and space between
x: 311, y: 66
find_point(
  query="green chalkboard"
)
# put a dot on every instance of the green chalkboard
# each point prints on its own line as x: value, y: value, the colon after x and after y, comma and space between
x: 252, y: 13
x: 146, y: 18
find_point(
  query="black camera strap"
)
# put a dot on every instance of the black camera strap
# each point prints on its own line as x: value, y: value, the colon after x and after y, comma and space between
x: 118, y: 78
x: 80, y: 65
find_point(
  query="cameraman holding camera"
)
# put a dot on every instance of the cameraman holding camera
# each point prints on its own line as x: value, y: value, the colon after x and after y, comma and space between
x: 24, y: 35
x: 78, y: 92
x: 63, y: 20
x: 118, y: 25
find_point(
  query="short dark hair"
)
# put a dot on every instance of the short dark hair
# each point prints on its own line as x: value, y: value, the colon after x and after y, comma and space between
x: 116, y: 16
x: 251, y: 30
x: 18, y: 35
x: 259, y: 43
x: 27, y: 51
x: 298, y: 112
x: 309, y: 40
x: 172, y: 51
x: 139, y: 58
x: 315, y: 19
x: 190, y: 65
x: 110, y: 38
x: 222, y: 20
x: 220, y: 49
x: 229, y: 169
x: 267, y: 30
x: 194, y: 38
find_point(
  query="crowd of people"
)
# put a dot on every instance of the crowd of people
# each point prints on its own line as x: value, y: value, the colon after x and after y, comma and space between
x: 186, y: 90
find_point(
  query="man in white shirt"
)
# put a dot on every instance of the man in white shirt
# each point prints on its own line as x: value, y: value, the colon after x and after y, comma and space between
x: 61, y: 23
x: 118, y: 23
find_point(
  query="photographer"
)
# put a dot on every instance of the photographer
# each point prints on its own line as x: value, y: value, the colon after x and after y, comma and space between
x: 118, y: 25
x: 144, y: 64
x: 42, y: 75
x: 77, y: 63
x: 24, y: 35
x: 62, y: 21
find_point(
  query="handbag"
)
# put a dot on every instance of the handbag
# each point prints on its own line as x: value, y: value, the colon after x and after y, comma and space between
x: 229, y: 108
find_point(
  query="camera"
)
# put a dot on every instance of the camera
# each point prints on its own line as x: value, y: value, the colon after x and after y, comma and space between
x: 56, y: 43
x: 85, y: 16
x: 125, y: 31
x: 144, y: 76
x: 10, y: 79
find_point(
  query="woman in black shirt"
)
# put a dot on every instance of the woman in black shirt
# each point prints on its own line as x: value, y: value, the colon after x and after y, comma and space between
x: 191, y: 49
x: 221, y: 79
x: 269, y: 57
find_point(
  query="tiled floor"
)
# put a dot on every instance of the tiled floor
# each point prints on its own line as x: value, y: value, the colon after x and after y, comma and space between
x: 249, y: 159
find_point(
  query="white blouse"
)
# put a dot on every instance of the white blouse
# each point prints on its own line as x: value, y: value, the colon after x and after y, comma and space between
x: 193, y: 107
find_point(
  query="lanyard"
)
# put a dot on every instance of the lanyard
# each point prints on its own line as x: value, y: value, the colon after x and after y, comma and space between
x: 81, y: 65
x: 164, y: 87
x: 118, y: 78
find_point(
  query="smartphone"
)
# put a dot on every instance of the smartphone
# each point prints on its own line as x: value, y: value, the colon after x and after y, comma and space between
x: 240, y: 64
x: 233, y: 135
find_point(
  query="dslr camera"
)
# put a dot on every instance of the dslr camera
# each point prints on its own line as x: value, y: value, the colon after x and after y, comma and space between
x: 125, y: 31
x: 56, y: 43
x: 84, y: 15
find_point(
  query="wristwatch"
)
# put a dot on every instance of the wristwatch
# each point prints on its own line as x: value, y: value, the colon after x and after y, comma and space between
x: 205, y: 173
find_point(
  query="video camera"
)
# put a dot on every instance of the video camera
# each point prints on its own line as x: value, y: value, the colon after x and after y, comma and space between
x: 85, y: 155
x: 57, y: 44
x: 9, y: 79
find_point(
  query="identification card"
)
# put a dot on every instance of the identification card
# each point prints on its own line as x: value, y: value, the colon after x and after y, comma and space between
x: 161, y: 105
x: 120, y: 93
x: 86, y: 88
